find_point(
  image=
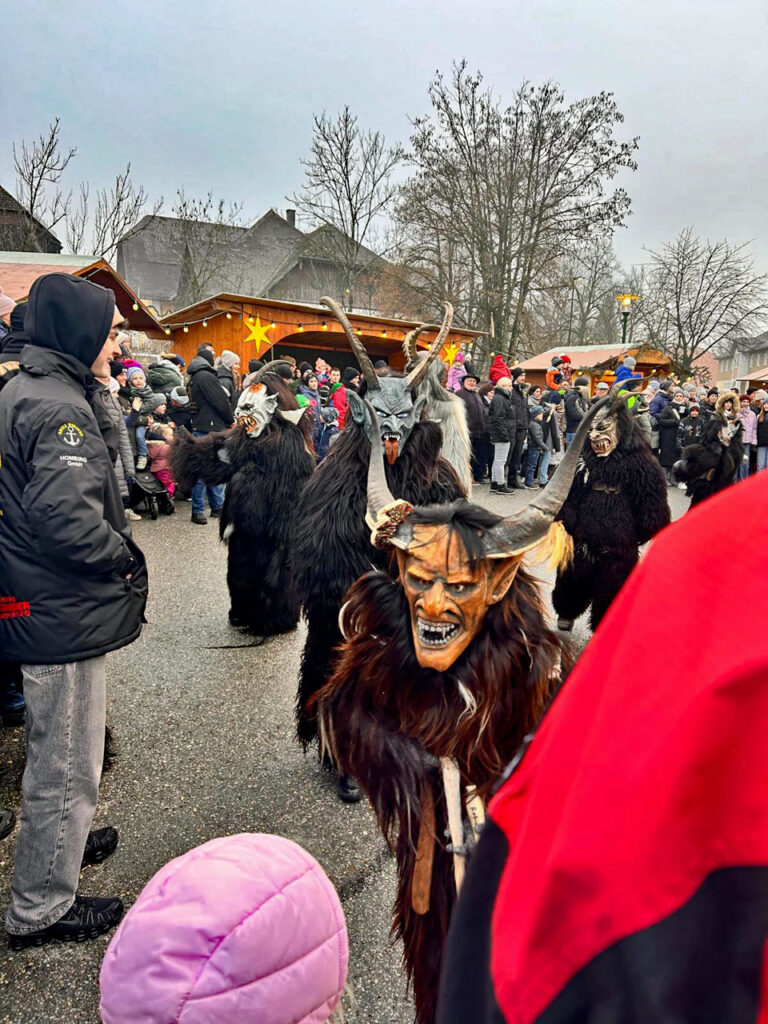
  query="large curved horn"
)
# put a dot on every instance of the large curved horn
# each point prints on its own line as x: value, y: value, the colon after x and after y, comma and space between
x: 355, y: 344
x: 527, y: 528
x: 269, y: 368
x: 419, y: 372
x: 379, y: 494
x: 409, y: 341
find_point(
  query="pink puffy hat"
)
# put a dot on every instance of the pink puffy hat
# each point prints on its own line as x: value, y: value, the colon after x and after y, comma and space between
x: 6, y: 304
x: 246, y: 928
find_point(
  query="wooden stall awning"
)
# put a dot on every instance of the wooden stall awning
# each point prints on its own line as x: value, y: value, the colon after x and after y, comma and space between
x: 256, y: 328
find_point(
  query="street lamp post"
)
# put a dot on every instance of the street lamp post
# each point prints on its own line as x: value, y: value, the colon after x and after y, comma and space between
x: 570, y: 315
x: 625, y: 305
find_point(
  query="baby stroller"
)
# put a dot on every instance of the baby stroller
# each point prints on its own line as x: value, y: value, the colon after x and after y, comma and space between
x: 148, y: 490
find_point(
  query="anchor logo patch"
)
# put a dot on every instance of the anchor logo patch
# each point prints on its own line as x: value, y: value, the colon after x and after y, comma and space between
x: 70, y: 435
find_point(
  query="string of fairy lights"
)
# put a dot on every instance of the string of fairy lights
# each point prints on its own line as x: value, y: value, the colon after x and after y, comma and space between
x: 184, y: 326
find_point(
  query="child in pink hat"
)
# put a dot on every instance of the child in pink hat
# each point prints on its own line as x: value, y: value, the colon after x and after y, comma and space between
x: 246, y: 928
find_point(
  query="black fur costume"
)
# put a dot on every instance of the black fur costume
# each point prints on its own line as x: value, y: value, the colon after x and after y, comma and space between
x: 709, y: 466
x: 387, y: 720
x: 332, y: 545
x: 616, y: 503
x: 265, y: 476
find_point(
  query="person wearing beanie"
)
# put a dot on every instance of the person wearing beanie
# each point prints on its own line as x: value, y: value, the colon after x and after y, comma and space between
x: 285, y: 372
x: 456, y: 373
x: 244, y: 928
x: 627, y: 369
x: 576, y: 405
x: 502, y: 427
x: 79, y: 588
x: 661, y: 399
x: 206, y: 350
x: 327, y: 431
x: 351, y: 378
x: 515, y: 470
x: 213, y: 412
x: 690, y: 430
x: 498, y: 369
x: 539, y: 448
x: 254, y: 365
x: 180, y: 411
x: 227, y: 368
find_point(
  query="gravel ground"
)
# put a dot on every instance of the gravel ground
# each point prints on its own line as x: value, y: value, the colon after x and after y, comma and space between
x: 205, y: 732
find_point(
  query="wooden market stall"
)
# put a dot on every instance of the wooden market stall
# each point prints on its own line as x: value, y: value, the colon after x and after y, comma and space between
x: 266, y: 329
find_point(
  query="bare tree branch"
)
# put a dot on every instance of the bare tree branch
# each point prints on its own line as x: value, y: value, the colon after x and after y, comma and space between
x: 207, y: 246
x: 118, y: 211
x: 39, y: 167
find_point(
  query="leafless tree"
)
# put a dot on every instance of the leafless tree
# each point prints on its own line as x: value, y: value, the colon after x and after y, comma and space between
x: 698, y: 295
x: 348, y: 190
x: 499, y: 193
x: 76, y: 224
x: 209, y: 246
x: 39, y: 167
x: 118, y: 212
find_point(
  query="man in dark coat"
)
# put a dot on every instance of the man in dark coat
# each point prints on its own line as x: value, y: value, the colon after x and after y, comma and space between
x: 522, y: 416
x: 576, y: 404
x: 477, y: 415
x: 73, y: 587
x: 214, y: 413
x: 502, y: 426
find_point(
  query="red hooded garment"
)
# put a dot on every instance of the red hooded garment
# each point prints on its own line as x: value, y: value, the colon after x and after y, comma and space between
x: 623, y: 876
x: 498, y: 369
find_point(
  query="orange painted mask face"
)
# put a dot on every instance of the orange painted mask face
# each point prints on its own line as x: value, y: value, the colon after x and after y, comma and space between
x: 447, y: 597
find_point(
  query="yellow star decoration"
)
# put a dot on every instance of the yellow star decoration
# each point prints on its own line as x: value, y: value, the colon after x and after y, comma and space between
x: 449, y: 352
x: 258, y: 334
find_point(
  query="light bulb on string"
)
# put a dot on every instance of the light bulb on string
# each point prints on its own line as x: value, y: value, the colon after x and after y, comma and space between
x: 135, y: 307
x: 229, y: 316
x: 205, y: 323
x: 250, y: 319
x: 301, y: 327
x: 325, y: 326
x: 272, y: 325
x: 186, y: 329
x: 167, y: 330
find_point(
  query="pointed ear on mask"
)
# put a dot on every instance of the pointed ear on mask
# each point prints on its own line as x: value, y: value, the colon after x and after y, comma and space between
x: 501, y: 576
x: 292, y: 415
x: 357, y: 408
x: 418, y: 406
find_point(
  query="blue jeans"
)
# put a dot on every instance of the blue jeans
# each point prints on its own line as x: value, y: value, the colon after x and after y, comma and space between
x: 762, y: 457
x: 569, y: 436
x: 199, y: 491
x: 141, y: 441
x: 544, y: 466
x: 531, y: 462
x: 743, y: 471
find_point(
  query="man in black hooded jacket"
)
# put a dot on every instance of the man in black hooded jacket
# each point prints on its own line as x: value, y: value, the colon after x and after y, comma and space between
x: 73, y: 586
x: 213, y: 413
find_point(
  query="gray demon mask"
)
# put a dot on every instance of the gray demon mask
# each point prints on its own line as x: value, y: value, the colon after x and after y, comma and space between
x: 391, y: 397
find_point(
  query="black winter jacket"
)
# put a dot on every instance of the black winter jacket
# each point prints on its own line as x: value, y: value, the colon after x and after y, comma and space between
x: 477, y: 414
x: 576, y: 406
x: 214, y: 411
x: 762, y: 432
x: 66, y: 550
x: 520, y: 402
x: 502, y: 422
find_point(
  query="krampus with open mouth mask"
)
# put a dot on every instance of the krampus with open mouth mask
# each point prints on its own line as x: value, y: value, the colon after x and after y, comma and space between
x: 617, y: 502
x: 332, y: 547
x: 265, y: 460
x: 442, y: 673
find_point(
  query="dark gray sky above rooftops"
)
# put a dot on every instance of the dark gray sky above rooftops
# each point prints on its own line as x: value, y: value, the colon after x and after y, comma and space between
x: 221, y: 95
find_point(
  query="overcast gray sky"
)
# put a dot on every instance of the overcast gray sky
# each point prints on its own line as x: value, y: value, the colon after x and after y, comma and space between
x: 221, y: 95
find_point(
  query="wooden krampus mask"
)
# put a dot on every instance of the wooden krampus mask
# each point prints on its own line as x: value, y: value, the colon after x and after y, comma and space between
x: 256, y: 407
x: 453, y: 572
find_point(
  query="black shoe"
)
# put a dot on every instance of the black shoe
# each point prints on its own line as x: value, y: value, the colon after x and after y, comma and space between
x: 199, y: 519
x: 101, y: 843
x: 15, y: 718
x: 513, y: 485
x: 87, y: 918
x: 348, y: 790
x: 7, y: 821
x: 502, y: 489
x: 494, y: 487
x: 532, y: 487
x: 215, y: 513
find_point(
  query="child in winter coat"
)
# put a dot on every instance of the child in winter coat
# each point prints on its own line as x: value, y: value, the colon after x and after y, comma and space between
x: 159, y: 440
x: 246, y: 928
x: 539, y: 450
x: 498, y: 370
x: 456, y: 373
x: 139, y: 389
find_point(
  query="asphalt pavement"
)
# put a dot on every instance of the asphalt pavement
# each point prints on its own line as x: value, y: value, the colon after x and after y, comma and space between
x: 204, y: 726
